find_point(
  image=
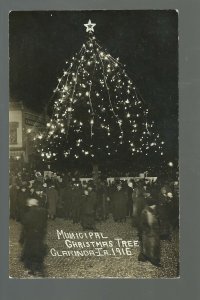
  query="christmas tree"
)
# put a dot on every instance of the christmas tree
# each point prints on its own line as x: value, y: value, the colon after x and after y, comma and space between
x: 97, y: 114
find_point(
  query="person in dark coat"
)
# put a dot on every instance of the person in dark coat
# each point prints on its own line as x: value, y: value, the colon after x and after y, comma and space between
x: 119, y: 204
x: 13, y: 201
x: 150, y: 234
x: 52, y: 199
x: 130, y: 199
x: 174, y: 209
x: 164, y: 207
x: 101, y: 211
x: 66, y: 199
x: 88, y: 209
x: 34, y: 225
x: 139, y: 203
x: 23, y: 195
x: 76, y: 202
x: 105, y: 201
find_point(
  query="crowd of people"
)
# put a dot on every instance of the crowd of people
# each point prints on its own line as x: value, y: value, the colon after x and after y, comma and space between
x: 152, y: 206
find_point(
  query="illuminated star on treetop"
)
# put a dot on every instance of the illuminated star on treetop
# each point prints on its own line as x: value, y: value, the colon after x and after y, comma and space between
x: 90, y: 26
x: 97, y: 114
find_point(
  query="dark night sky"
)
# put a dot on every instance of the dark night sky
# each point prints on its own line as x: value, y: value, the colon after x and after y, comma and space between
x: 145, y: 41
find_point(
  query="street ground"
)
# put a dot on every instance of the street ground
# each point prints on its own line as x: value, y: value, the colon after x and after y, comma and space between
x: 118, y: 266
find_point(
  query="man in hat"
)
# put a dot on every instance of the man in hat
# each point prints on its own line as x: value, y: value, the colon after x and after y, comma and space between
x: 119, y: 204
x: 76, y: 202
x: 165, y: 202
x: 101, y: 210
x: 66, y: 199
x: 88, y: 209
x: 52, y: 199
x: 22, y: 196
x: 34, y: 225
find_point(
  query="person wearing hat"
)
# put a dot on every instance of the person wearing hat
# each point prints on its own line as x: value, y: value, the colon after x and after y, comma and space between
x: 102, y: 201
x: 66, y: 194
x: 88, y: 209
x: 33, y: 232
x: 23, y: 194
x: 165, y: 202
x: 120, y: 198
x: 52, y: 200
x: 76, y: 202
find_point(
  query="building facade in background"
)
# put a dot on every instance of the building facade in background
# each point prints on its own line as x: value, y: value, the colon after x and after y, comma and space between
x: 24, y: 124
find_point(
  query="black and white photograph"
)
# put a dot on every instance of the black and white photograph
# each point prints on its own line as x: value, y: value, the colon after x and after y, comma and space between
x: 94, y: 144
